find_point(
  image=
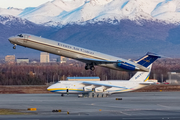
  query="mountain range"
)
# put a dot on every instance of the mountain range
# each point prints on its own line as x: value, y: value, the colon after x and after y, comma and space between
x: 62, y: 12
x: 118, y: 27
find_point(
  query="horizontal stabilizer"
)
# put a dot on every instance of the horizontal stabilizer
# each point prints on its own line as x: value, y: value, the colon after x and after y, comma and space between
x: 147, y: 59
x: 147, y: 83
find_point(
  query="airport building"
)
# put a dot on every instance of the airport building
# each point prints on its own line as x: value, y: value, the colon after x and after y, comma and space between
x: 58, y: 60
x: 153, y: 80
x: 83, y: 79
x: 44, y: 57
x: 34, y: 62
x: 10, y: 58
x: 61, y: 59
x: 173, y: 78
x: 22, y: 60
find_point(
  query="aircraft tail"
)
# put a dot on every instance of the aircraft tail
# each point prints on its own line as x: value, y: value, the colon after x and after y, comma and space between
x: 141, y: 76
x: 147, y: 59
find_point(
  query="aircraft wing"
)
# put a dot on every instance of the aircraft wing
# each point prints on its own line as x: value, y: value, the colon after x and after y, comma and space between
x: 124, y: 64
x: 100, y: 84
x: 97, y: 61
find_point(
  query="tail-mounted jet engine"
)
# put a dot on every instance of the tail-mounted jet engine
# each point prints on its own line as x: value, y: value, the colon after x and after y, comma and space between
x: 126, y: 65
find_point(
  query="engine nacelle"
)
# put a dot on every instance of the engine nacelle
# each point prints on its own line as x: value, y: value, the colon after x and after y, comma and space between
x: 126, y: 66
x: 88, y: 88
x: 99, y: 89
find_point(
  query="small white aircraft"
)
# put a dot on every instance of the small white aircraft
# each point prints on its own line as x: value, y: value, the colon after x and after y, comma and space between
x: 91, y: 58
x: 138, y: 81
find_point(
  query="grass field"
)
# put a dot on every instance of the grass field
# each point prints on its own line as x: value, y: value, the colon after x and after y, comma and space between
x: 14, y: 112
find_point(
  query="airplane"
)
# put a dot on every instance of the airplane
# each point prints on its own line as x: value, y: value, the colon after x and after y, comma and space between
x: 139, y: 80
x: 91, y: 58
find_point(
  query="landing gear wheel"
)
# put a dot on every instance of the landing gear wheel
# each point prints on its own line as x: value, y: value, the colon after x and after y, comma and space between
x: 14, y: 47
x: 86, y: 67
x: 62, y: 95
x: 92, y: 68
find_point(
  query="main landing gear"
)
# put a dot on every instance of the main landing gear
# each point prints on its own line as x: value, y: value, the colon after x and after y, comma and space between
x: 89, y: 66
x: 62, y: 95
x: 14, y: 47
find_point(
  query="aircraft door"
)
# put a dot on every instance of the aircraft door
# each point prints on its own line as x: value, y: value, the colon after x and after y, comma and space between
x: 67, y: 91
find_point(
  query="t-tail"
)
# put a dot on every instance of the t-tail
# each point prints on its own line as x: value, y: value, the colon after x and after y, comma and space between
x: 147, y: 59
x: 147, y: 62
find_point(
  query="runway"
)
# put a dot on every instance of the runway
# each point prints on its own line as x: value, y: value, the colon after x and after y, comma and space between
x: 133, y: 106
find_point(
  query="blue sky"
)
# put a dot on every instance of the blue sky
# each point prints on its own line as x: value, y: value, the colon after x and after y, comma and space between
x: 21, y: 3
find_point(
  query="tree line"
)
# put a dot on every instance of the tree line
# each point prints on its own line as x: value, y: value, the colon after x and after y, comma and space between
x: 40, y: 74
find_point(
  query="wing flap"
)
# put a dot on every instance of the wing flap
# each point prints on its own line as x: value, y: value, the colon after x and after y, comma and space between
x: 97, y: 61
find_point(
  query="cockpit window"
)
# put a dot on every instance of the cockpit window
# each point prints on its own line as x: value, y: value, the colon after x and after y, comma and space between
x: 20, y: 35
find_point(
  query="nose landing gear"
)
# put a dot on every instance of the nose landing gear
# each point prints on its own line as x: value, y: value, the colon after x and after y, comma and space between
x: 14, y: 47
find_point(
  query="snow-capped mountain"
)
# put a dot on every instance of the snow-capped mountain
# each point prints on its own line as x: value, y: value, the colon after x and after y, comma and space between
x: 50, y: 10
x: 12, y: 20
x: 10, y: 11
x: 77, y: 11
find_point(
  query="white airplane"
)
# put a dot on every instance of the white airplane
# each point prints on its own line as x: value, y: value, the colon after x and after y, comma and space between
x: 138, y: 81
x: 91, y: 58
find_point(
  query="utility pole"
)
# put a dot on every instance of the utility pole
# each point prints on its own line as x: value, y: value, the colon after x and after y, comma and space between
x: 53, y: 78
x: 170, y: 77
x: 47, y: 78
x: 154, y: 76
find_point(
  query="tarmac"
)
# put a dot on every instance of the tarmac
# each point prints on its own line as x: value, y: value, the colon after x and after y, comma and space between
x: 133, y: 106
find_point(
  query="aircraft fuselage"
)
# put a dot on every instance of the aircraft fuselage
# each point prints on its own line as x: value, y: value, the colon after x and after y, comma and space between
x: 73, y: 52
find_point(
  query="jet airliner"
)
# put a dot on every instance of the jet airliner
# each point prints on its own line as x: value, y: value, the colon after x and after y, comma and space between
x: 91, y: 58
x: 83, y: 88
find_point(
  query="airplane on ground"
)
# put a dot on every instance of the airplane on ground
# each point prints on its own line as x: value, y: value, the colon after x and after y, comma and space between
x: 138, y: 81
x: 91, y: 58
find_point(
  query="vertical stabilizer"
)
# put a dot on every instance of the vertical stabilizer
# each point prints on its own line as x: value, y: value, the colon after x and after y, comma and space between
x: 141, y: 76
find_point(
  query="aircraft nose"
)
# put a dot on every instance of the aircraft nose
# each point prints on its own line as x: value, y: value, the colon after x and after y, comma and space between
x: 53, y: 88
x: 12, y: 39
x: 50, y: 88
